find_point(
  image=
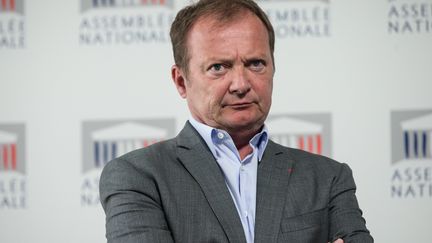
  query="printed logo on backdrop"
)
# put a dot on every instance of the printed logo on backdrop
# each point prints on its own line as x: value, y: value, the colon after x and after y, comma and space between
x: 299, y: 18
x: 12, y: 24
x: 12, y: 167
x: 309, y: 132
x: 125, y: 22
x: 409, y: 16
x: 106, y: 140
x: 411, y: 157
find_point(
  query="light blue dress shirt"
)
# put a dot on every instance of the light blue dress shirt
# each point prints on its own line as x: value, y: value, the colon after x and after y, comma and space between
x: 240, y: 175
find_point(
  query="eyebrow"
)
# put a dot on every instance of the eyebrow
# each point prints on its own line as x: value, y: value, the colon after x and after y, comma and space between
x: 247, y: 60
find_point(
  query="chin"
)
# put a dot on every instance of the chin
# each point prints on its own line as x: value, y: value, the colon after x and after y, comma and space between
x: 242, y: 120
x: 245, y: 123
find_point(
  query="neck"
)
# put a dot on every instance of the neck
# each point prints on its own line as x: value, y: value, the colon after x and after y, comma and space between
x: 241, y: 141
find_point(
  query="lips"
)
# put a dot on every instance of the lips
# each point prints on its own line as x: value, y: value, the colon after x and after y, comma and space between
x: 241, y: 105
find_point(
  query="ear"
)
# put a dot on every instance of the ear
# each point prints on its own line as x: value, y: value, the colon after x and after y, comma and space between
x: 179, y: 80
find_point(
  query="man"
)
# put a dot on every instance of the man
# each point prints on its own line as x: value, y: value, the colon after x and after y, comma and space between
x: 221, y: 179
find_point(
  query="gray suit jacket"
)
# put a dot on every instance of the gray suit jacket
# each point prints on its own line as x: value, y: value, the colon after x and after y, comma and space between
x: 174, y: 191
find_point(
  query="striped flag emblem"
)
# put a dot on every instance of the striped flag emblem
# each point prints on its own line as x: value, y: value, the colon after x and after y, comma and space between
x: 91, y: 4
x: 112, y: 142
x: 12, y: 6
x: 296, y: 133
x: 8, y: 5
x: 8, y: 151
x: 417, y: 134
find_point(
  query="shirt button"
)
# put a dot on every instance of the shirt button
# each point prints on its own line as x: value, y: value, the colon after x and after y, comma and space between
x: 242, y: 168
x: 220, y: 135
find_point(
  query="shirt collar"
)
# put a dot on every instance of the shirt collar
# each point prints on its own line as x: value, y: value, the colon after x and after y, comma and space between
x: 210, y: 136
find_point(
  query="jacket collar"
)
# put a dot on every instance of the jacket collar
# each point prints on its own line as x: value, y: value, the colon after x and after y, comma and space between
x: 272, y: 183
x: 194, y: 154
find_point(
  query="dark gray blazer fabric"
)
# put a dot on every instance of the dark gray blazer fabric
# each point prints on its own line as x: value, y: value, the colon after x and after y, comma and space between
x: 174, y: 191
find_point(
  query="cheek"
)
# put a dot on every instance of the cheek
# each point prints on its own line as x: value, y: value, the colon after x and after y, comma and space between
x: 216, y: 93
x: 269, y: 87
x: 264, y: 90
x: 206, y: 98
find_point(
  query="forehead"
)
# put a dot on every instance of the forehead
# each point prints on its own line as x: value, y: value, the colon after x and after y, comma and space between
x: 211, y: 27
x: 220, y: 21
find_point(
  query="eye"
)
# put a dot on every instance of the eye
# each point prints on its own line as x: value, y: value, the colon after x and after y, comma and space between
x: 256, y: 65
x: 218, y: 68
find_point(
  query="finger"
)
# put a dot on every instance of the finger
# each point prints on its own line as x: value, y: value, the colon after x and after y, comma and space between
x: 339, y: 241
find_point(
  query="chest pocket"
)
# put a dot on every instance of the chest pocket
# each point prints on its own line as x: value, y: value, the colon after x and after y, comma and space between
x: 310, y: 227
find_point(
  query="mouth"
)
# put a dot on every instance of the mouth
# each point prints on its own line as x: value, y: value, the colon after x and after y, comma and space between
x: 242, y: 105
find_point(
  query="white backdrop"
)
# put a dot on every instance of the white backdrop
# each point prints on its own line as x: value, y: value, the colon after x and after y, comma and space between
x: 67, y: 67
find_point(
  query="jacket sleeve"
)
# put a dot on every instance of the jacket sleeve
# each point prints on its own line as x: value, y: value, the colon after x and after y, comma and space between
x: 132, y: 205
x: 345, y: 216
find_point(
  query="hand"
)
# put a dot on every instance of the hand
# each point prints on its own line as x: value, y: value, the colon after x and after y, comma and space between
x: 339, y: 241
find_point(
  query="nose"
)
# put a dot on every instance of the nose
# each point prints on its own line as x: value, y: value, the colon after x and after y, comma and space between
x: 240, y: 83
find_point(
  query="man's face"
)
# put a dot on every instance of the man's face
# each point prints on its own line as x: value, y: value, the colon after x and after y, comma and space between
x: 230, y: 78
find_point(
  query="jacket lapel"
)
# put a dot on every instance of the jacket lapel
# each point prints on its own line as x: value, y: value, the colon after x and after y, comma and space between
x: 273, y: 175
x: 198, y: 160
